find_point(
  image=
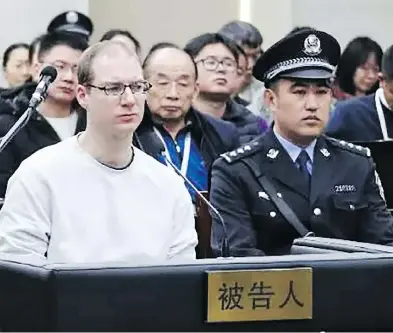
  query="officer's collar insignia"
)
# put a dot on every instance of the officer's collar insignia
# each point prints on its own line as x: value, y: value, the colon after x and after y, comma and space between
x: 325, y: 152
x: 312, y: 45
x: 272, y: 153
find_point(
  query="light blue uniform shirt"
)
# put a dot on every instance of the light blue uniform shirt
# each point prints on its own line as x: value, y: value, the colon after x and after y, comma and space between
x: 294, y: 150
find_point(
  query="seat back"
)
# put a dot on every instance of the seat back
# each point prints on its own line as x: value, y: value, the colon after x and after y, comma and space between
x: 203, y: 224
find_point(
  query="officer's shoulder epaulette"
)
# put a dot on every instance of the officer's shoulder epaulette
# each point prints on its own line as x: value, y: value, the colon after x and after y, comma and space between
x: 241, y: 152
x: 348, y: 146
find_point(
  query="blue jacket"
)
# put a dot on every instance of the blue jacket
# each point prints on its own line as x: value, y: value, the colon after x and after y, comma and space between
x: 214, y: 136
x: 356, y: 119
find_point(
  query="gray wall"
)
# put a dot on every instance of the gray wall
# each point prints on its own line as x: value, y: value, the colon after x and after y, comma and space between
x: 179, y: 20
x: 23, y: 20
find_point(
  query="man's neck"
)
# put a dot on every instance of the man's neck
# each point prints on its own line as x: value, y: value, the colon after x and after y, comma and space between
x: 173, y: 128
x: 109, y: 150
x: 53, y: 109
x: 300, y: 141
x: 215, y: 108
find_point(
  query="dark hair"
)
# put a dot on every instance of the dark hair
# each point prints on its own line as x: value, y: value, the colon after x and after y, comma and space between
x: 387, y: 64
x: 116, y: 32
x: 165, y: 45
x: 242, y: 33
x: 195, y: 45
x: 9, y: 49
x: 354, y: 55
x: 241, y: 51
x: 56, y: 38
x: 34, y: 45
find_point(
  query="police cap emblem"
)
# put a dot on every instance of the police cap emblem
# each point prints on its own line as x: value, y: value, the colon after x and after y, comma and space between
x: 312, y: 45
x: 72, y: 17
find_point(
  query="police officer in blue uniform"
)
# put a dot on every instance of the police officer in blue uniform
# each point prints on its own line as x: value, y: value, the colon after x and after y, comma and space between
x: 294, y: 181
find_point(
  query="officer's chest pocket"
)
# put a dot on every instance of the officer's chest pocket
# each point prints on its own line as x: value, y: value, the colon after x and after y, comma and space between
x: 347, y: 214
x: 349, y: 204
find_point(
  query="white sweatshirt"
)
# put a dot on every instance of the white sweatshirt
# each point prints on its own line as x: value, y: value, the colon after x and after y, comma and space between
x: 63, y: 203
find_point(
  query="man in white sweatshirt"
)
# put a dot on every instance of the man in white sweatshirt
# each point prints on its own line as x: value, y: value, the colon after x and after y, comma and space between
x: 95, y: 197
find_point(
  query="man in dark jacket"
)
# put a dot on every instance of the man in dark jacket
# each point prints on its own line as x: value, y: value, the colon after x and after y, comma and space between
x: 190, y: 139
x: 216, y: 58
x: 55, y: 119
x: 370, y: 117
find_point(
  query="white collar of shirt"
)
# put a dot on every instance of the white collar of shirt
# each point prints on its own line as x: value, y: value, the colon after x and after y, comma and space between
x: 294, y: 150
x: 383, y: 100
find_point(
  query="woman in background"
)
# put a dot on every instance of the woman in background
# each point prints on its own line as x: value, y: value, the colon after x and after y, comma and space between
x: 357, y: 71
x: 16, y: 64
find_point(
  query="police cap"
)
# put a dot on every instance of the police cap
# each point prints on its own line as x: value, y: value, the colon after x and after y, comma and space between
x: 72, y: 21
x: 306, y: 54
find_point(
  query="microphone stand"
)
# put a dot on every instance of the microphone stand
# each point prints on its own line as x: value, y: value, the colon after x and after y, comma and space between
x: 224, y: 246
x: 22, y: 122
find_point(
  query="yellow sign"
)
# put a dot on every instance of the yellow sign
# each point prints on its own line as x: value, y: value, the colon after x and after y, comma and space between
x: 249, y: 295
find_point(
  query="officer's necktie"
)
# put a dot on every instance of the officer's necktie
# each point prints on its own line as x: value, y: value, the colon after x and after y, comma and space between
x: 301, y: 161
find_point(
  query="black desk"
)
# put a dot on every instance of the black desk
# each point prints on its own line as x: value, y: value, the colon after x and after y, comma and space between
x: 351, y: 291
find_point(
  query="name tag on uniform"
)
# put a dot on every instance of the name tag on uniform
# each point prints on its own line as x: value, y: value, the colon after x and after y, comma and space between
x: 344, y: 188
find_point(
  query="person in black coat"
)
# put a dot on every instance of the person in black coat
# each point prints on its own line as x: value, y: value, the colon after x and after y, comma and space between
x: 190, y: 139
x: 367, y: 118
x: 294, y: 180
x: 56, y: 118
x: 217, y: 59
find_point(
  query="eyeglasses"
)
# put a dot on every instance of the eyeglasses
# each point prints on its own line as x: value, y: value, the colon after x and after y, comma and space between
x: 118, y: 89
x: 211, y: 64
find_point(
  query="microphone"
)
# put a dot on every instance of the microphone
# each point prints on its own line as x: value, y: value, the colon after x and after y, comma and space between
x: 224, y: 251
x: 47, y: 76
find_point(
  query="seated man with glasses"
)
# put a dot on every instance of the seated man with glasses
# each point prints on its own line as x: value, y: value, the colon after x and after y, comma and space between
x: 217, y: 63
x: 95, y: 197
x: 190, y: 139
x: 57, y: 118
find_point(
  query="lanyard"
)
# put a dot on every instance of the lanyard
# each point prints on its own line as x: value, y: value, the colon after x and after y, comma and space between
x: 186, y: 153
x: 381, y: 116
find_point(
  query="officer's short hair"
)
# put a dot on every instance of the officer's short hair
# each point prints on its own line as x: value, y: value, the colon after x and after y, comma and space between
x: 387, y: 64
x: 195, y: 45
x: 85, y: 73
x: 160, y: 46
x: 242, y: 33
x: 53, y: 39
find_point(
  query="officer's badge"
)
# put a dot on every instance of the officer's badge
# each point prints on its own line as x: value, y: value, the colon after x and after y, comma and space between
x: 325, y: 152
x: 312, y: 45
x: 72, y: 17
x: 272, y: 153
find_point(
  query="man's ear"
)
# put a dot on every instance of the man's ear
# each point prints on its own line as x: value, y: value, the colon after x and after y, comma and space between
x: 82, y: 96
x: 36, y: 70
x: 270, y: 99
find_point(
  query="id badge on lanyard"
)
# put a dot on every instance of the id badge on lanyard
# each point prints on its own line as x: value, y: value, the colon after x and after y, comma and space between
x: 186, y: 153
x: 381, y: 116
